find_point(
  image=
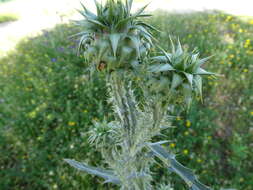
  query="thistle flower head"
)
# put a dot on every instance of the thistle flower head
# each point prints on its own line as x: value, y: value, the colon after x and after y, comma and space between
x: 179, y: 71
x: 113, y: 36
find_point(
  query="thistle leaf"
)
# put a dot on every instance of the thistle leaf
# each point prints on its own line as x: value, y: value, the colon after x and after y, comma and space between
x: 88, y: 13
x: 107, y: 175
x: 173, y: 165
x: 78, y: 34
x: 187, y: 91
x: 176, y: 80
x: 96, y: 22
x: 194, y: 57
x: 189, y: 78
x: 140, y: 11
x: 148, y: 26
x: 129, y: 5
x: 98, y: 7
x: 201, y: 71
x: 83, y: 39
x: 136, y: 43
x: 202, y: 61
x: 114, y: 38
x: 161, y: 68
x: 198, y: 84
x: 160, y: 59
x: 179, y: 50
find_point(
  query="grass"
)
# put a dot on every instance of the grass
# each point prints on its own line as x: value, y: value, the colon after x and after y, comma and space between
x: 8, y: 17
x: 47, y: 103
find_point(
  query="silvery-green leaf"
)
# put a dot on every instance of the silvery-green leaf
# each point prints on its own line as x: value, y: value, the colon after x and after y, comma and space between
x: 98, y: 7
x: 125, y: 53
x: 136, y: 43
x: 179, y: 50
x: 201, y: 71
x: 135, y: 63
x: 82, y: 41
x: 96, y: 22
x: 167, y: 55
x: 129, y: 4
x: 78, y: 34
x: 202, y: 61
x: 114, y: 38
x: 88, y: 13
x: 137, y: 175
x: 160, y: 59
x: 173, y: 165
x: 107, y: 175
x: 148, y: 26
x: 176, y: 80
x: 145, y: 15
x: 103, y: 47
x: 194, y: 57
x: 148, y: 38
x: 198, y: 83
x: 141, y: 29
x: 187, y: 91
x: 161, y: 68
x: 189, y: 77
x: 160, y: 142
x: 140, y: 11
x: 172, y: 45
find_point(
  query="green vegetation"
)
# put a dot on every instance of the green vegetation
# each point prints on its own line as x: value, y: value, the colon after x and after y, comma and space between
x: 8, y: 17
x: 2, y: 1
x: 47, y: 104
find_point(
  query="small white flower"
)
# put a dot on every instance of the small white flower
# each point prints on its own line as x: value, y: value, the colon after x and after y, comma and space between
x: 55, y: 186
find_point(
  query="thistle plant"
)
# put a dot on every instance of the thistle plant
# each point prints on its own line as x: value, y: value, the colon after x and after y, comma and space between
x: 118, y: 43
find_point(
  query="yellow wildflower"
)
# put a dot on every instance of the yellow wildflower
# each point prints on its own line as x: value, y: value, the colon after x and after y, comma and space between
x: 230, y: 47
x: 185, y: 151
x: 251, y: 113
x: 250, y: 52
x: 172, y: 145
x: 231, y: 56
x: 199, y: 160
x: 228, y: 18
x: 245, y: 70
x: 251, y: 22
x: 32, y: 114
x: 247, y: 43
x: 241, y: 179
x: 188, y: 123
x: 240, y: 30
x: 71, y: 123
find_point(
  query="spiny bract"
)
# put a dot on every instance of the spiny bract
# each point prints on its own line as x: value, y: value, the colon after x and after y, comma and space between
x: 114, y: 38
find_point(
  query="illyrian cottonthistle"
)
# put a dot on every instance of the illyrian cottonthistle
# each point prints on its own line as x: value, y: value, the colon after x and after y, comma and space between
x: 116, y: 41
x: 178, y: 73
x: 113, y: 38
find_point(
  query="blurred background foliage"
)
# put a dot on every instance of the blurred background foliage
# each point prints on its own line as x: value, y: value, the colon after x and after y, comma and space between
x: 48, y: 102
